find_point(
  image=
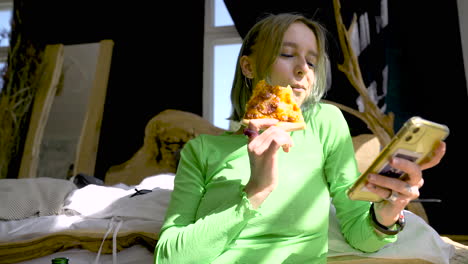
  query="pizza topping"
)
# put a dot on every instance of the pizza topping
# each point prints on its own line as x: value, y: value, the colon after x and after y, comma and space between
x: 275, y: 102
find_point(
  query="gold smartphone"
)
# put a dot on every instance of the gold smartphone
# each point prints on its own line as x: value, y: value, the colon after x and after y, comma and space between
x: 414, y: 141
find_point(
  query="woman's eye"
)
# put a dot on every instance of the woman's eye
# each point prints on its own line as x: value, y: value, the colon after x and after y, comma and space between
x: 311, y: 64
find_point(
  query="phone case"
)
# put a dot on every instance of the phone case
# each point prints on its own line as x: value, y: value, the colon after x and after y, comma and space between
x: 414, y: 141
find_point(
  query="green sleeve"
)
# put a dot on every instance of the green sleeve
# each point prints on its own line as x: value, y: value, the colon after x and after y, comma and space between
x: 183, y: 237
x: 341, y: 171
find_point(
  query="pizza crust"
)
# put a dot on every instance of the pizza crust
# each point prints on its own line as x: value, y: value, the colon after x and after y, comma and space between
x: 287, y: 126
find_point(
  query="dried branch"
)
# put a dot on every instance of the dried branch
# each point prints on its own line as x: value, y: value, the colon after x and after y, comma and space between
x: 16, y: 98
x: 380, y: 124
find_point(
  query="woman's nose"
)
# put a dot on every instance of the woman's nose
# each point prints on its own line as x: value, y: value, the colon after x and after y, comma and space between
x: 301, y: 67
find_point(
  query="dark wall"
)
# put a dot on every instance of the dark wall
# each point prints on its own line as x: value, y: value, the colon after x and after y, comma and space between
x: 428, y: 79
x: 157, y: 60
x: 421, y: 46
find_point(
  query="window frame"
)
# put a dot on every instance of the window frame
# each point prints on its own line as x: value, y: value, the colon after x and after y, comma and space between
x: 214, y: 36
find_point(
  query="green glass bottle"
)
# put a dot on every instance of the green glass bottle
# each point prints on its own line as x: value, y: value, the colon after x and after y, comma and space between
x: 60, y: 261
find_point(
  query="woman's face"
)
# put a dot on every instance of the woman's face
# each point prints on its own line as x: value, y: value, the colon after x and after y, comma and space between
x: 295, y: 64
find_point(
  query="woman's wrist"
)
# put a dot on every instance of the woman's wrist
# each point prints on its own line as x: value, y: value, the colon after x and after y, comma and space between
x: 391, y: 229
x: 384, y: 214
x: 256, y: 195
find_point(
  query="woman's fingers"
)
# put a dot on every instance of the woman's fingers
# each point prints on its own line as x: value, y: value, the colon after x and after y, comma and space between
x: 436, y: 157
x: 256, y: 125
x: 271, y: 139
x: 398, y: 190
x: 408, y: 186
x: 383, y: 185
x: 413, y: 171
x: 262, y: 124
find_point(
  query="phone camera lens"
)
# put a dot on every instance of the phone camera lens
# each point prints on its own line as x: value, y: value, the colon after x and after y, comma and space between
x: 408, y: 138
x: 416, y: 130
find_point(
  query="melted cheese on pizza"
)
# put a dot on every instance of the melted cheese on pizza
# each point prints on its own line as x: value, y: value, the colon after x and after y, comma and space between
x: 276, y: 102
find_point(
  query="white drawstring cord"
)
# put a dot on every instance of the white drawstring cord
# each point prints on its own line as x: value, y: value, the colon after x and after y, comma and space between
x: 109, y: 229
x: 114, y: 239
x: 114, y: 242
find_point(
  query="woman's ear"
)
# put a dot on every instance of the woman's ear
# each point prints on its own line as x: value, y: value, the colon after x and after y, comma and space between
x: 247, y: 66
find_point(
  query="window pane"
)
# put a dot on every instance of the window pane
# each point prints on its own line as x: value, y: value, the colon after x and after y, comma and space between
x: 222, y: 16
x: 5, y: 27
x: 2, y: 66
x: 225, y: 57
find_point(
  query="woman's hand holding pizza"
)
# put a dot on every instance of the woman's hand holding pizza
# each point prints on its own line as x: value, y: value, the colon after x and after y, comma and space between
x: 264, y: 139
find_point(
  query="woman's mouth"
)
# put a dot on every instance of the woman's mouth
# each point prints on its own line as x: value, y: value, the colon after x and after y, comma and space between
x: 298, y: 88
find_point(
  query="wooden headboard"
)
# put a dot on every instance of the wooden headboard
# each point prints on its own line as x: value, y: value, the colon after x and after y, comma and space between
x: 165, y: 135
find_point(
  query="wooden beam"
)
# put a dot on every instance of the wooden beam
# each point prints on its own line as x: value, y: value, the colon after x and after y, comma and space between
x: 50, y: 74
x: 89, y: 139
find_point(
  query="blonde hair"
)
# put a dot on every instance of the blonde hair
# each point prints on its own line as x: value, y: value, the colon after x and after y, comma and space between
x: 264, y: 39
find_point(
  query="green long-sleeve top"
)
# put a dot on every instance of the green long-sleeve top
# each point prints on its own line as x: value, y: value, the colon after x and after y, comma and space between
x: 210, y: 220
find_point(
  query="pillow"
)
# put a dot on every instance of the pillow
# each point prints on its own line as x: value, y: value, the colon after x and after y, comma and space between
x: 23, y: 198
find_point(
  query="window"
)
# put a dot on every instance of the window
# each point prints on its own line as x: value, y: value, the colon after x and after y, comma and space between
x: 6, y: 11
x: 221, y: 48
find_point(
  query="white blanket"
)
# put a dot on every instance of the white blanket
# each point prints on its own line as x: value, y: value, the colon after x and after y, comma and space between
x: 94, y: 201
x: 416, y: 240
x: 95, y: 206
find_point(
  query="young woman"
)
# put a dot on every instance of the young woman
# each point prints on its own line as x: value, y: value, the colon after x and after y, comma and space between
x: 261, y: 194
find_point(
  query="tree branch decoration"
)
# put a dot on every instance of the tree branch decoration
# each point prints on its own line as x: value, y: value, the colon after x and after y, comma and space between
x: 379, y: 123
x: 16, y: 97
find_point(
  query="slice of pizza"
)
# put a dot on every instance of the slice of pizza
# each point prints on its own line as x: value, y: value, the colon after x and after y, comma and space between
x: 276, y: 102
